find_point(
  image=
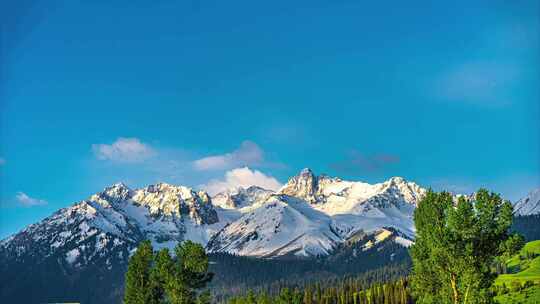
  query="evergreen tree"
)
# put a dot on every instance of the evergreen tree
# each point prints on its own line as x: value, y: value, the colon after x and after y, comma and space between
x: 153, y: 279
x: 188, y: 275
x: 456, y: 246
x: 162, y: 271
x: 140, y: 288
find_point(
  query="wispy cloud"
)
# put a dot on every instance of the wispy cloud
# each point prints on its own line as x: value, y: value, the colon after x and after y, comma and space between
x: 248, y: 154
x: 357, y: 162
x: 130, y: 160
x: 242, y: 177
x: 28, y: 201
x: 129, y: 150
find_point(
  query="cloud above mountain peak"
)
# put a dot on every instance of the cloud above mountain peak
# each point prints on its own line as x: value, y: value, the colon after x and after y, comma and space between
x: 248, y: 154
x: 28, y: 201
x: 128, y: 150
x: 242, y: 177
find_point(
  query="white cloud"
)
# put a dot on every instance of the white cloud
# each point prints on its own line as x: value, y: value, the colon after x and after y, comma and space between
x: 242, y: 177
x: 126, y: 150
x: 248, y: 154
x: 28, y: 201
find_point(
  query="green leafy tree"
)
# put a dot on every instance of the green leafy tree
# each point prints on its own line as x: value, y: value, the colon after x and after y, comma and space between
x: 140, y: 288
x: 456, y: 246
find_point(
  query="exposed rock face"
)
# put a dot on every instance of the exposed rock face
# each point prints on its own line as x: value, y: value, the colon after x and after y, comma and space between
x: 240, y: 197
x: 307, y: 186
x: 528, y: 205
x: 303, y: 185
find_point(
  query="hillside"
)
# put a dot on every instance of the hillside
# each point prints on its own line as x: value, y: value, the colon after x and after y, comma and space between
x: 523, y: 282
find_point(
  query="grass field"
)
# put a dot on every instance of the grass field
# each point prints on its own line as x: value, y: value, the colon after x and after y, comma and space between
x: 522, y: 270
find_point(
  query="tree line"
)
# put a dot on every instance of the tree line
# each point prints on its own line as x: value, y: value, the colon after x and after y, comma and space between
x: 347, y: 292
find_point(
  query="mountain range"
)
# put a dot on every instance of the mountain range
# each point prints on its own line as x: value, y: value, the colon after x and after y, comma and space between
x: 310, y: 216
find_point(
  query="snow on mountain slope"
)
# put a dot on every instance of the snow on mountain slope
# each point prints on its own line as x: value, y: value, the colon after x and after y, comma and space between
x: 528, y: 205
x: 239, y: 197
x: 115, y: 220
x: 337, y: 208
x: 360, y: 206
x: 283, y: 225
x: 308, y: 216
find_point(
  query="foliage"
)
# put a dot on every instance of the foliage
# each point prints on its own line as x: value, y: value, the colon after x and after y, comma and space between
x: 158, y: 278
x: 457, y: 245
x: 522, y: 285
x: 525, y: 265
x: 347, y: 291
x: 189, y: 274
x: 140, y: 289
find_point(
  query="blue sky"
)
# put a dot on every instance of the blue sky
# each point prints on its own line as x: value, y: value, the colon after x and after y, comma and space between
x: 92, y: 93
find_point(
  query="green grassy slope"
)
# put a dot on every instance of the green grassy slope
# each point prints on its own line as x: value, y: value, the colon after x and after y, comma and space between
x: 524, y: 269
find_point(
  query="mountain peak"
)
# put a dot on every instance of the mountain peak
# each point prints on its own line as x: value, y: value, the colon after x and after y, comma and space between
x: 306, y: 171
x: 115, y: 192
x: 397, y: 180
x: 304, y: 186
x: 120, y: 186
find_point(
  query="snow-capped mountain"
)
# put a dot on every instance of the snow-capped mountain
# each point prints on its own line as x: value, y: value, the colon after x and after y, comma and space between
x: 309, y: 216
x: 239, y: 197
x: 528, y: 205
x: 112, y: 222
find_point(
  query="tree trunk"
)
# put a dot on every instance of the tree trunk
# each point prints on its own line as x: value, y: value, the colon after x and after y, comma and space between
x: 453, y: 283
x: 466, y: 294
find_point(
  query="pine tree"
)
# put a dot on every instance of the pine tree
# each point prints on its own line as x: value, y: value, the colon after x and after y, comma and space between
x: 140, y: 288
x: 189, y: 273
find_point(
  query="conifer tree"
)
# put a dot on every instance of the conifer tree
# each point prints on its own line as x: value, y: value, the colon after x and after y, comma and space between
x: 188, y: 275
x: 140, y: 288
